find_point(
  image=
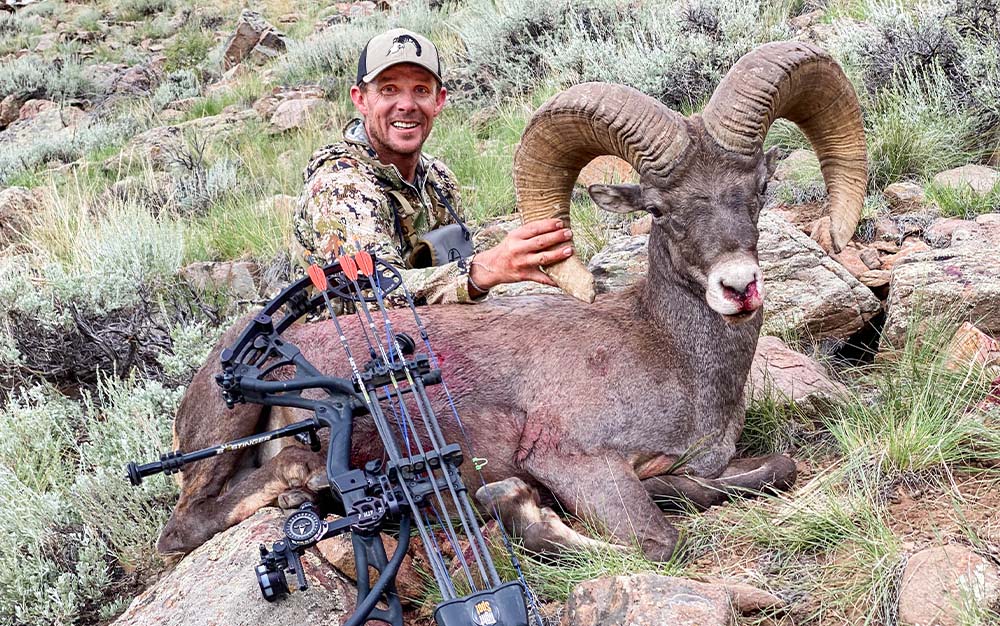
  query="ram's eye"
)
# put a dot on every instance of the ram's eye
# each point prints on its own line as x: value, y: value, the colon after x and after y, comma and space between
x: 653, y: 210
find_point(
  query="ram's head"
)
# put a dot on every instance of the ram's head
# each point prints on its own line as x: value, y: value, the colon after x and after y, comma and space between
x: 702, y: 177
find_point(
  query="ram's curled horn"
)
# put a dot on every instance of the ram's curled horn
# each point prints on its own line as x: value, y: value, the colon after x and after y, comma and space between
x: 801, y: 83
x: 576, y: 126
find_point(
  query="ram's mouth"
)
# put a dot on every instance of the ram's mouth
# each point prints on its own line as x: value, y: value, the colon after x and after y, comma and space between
x: 741, y: 317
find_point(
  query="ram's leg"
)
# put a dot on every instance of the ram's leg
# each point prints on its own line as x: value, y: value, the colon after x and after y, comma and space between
x: 749, y: 476
x: 199, y: 519
x: 540, y: 528
x: 605, y: 489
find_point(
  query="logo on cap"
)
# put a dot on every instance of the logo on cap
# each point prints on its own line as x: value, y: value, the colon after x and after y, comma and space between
x: 400, y: 42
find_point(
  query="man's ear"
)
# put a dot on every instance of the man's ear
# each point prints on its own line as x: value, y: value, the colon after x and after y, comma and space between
x: 617, y: 198
x: 442, y: 97
x: 358, y: 98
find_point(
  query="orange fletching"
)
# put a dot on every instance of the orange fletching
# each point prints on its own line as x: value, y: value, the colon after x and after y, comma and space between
x: 365, y: 262
x: 318, y: 277
x: 348, y: 266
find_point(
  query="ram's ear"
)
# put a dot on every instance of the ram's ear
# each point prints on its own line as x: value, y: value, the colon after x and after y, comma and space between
x: 617, y: 198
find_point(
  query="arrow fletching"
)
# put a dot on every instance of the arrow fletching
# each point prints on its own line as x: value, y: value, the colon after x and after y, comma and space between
x: 318, y: 277
x: 365, y: 263
x: 349, y: 267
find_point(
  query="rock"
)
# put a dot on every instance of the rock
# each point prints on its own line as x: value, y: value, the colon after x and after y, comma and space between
x: 345, y: 12
x: 963, y: 279
x: 648, y: 599
x: 806, y: 290
x: 904, y: 197
x: 870, y: 258
x: 215, y: 584
x: 16, y: 207
x: 104, y: 75
x: 641, y: 226
x: 850, y: 258
x: 979, y: 178
x: 784, y: 374
x: 875, y: 279
x: 46, y: 41
x: 31, y: 108
x: 296, y: 113
x: 971, y: 347
x: 806, y: 20
x: 251, y: 30
x: 939, y: 582
x: 10, y: 109
x: 620, y: 264
x: 939, y: 233
x: 137, y: 81
x: 607, y: 170
x: 885, y: 247
x: 41, y: 118
x: 238, y: 278
x: 910, y: 246
x: 161, y: 145
x: 410, y: 582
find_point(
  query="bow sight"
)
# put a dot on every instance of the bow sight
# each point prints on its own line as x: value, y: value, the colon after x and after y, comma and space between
x: 417, y: 486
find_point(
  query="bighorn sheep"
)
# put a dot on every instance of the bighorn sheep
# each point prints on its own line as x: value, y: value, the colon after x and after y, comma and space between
x: 589, y: 401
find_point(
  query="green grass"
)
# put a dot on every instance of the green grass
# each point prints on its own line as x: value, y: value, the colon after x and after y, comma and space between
x: 917, y: 419
x: 963, y: 202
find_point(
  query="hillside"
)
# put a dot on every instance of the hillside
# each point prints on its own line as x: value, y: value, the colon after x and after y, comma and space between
x: 151, y: 154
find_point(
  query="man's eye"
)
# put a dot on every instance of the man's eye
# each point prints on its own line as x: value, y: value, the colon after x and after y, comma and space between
x: 388, y: 90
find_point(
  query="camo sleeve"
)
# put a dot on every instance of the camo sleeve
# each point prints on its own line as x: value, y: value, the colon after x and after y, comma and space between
x: 342, y: 211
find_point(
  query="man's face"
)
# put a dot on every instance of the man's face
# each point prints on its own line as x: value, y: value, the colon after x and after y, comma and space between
x: 399, y: 107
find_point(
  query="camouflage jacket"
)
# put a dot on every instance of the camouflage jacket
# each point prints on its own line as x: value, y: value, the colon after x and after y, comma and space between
x: 352, y: 201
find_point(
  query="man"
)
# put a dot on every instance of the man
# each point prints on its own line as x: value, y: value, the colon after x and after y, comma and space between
x: 376, y: 190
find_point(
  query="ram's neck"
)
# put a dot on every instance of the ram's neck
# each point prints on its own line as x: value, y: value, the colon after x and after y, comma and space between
x: 689, y: 326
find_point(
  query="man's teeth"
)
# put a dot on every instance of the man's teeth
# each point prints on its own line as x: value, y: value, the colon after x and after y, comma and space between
x: 404, y: 125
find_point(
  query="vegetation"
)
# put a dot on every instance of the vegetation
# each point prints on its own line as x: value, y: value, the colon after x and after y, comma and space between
x: 99, y: 336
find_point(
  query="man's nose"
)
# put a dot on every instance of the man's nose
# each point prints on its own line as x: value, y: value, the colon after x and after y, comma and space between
x: 406, y: 101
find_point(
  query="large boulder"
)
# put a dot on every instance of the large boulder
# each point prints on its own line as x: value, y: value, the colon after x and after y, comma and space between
x: 255, y: 38
x: 782, y: 374
x: 652, y: 599
x: 806, y: 291
x: 963, y: 280
x: 940, y: 584
x: 216, y: 584
x: 979, y: 178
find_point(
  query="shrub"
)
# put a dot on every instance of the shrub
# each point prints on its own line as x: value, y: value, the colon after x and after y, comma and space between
x: 676, y: 53
x: 62, y: 80
x: 133, y: 10
x: 187, y: 49
x: 68, y: 516
x: 176, y: 85
x: 916, y: 129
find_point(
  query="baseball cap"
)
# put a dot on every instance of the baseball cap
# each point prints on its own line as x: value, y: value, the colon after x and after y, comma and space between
x: 394, y: 47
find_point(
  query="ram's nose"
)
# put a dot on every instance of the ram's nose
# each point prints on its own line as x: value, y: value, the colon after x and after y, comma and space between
x: 735, y: 287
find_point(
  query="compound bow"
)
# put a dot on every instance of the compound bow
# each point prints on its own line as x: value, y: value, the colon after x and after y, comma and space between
x: 419, y: 486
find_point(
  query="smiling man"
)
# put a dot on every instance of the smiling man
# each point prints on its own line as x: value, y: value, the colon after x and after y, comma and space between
x: 377, y: 190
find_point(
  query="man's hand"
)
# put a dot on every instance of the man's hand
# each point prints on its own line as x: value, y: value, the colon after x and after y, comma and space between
x: 521, y: 254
